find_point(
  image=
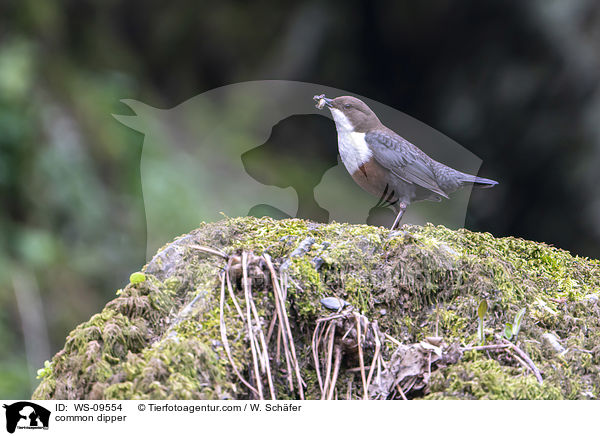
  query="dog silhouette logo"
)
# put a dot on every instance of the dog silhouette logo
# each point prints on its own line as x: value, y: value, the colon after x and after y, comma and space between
x: 26, y: 415
x: 262, y: 148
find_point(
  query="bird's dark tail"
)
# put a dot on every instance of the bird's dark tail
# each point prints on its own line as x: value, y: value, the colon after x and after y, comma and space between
x: 479, y: 182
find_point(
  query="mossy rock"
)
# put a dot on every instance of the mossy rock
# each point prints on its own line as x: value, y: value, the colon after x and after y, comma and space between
x: 160, y: 338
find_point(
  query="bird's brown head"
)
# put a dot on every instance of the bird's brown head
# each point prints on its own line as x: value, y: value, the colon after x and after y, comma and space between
x: 350, y: 113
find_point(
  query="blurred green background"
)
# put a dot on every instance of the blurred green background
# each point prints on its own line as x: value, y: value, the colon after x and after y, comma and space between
x: 517, y: 83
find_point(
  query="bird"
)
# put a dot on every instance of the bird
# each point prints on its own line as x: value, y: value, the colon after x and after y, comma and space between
x: 385, y: 164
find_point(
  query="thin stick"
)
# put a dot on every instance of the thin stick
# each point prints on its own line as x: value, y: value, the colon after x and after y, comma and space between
x: 210, y: 251
x: 361, y: 358
x: 279, y: 331
x: 286, y: 350
x: 346, y: 334
x: 283, y: 280
x: 281, y: 336
x: 318, y: 340
x: 315, y: 349
x: 429, y: 366
x: 378, y: 377
x: 334, y: 316
x: 278, y: 352
x: 518, y: 359
x: 287, y: 328
x: 330, y: 333
x: 401, y: 392
x: 232, y: 294
x: 394, y: 340
x: 295, y: 283
x: 357, y: 369
x: 375, y: 357
x: 526, y: 358
x: 226, y: 342
x: 271, y: 326
x: 485, y: 347
x: 336, y: 369
x: 265, y: 350
x: 410, y: 383
x: 250, y: 330
x: 405, y: 389
x: 506, y: 344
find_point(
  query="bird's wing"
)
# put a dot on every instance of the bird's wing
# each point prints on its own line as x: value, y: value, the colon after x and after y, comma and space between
x: 403, y: 159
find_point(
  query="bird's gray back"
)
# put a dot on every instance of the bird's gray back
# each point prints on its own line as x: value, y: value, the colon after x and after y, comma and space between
x: 410, y: 166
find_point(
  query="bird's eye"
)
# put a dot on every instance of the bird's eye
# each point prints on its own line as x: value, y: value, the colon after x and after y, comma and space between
x: 347, y: 105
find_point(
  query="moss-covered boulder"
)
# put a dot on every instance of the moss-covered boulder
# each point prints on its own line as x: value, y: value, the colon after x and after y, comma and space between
x: 161, y: 336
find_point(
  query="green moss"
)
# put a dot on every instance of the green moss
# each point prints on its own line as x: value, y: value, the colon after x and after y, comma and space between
x: 485, y: 379
x: 160, y: 338
x: 183, y: 369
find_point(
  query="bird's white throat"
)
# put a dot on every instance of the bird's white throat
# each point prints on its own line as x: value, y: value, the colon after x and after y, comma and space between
x: 353, y: 148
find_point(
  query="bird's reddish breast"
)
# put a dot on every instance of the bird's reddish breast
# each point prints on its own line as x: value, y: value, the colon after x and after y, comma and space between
x: 372, y: 177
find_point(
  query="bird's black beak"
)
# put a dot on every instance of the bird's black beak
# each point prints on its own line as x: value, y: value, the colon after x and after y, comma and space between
x: 322, y: 101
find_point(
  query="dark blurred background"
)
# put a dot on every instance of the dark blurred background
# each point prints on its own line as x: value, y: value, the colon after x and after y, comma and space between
x: 516, y: 83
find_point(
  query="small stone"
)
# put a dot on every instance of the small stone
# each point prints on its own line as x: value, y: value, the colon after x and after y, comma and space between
x: 317, y: 262
x: 448, y: 249
x: 334, y: 303
x: 304, y: 247
x: 550, y: 340
x: 592, y: 298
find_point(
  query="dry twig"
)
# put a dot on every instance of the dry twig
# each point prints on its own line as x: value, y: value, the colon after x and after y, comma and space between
x: 526, y: 358
x: 288, y: 339
x: 523, y: 358
x: 226, y: 342
x: 210, y: 251
x: 251, y: 307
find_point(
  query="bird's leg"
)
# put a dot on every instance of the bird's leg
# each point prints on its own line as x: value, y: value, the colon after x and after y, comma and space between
x: 402, y: 207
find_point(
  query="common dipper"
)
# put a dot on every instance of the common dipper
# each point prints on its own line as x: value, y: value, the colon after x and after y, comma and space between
x: 385, y: 164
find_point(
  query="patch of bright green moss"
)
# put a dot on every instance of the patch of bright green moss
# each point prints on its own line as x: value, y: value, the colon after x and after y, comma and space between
x: 485, y: 379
